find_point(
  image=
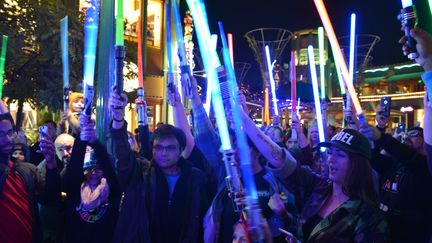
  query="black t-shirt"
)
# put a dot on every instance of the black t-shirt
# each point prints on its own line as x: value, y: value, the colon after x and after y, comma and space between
x: 405, y: 199
x: 229, y: 217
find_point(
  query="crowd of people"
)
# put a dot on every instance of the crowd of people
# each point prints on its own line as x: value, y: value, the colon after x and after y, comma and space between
x: 361, y: 185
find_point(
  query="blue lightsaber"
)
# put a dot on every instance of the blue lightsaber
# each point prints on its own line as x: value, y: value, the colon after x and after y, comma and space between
x: 272, y: 82
x: 210, y: 60
x: 321, y: 60
x: 252, y: 206
x: 91, y: 23
x: 352, y: 47
x: 316, y: 93
x: 184, y: 67
x: 65, y: 61
x: 347, y: 98
x: 169, y: 41
x: 209, y: 81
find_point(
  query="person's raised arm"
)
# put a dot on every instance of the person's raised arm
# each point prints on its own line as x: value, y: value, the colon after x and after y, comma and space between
x: 296, y: 125
x: 274, y: 154
x: 180, y: 119
x: 88, y: 134
x: 205, y: 135
x: 424, y: 48
x: 143, y: 129
x: 74, y: 169
x: 49, y: 188
x: 118, y: 144
x: 381, y: 120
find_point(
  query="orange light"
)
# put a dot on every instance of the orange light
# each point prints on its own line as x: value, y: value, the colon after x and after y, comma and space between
x: 231, y: 47
x: 337, y: 52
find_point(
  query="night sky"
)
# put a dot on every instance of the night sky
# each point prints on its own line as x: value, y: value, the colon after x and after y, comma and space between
x: 373, y: 17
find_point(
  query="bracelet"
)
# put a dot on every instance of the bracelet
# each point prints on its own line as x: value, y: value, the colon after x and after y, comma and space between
x: 118, y: 120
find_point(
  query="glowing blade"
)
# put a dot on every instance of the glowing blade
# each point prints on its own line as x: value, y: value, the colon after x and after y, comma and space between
x: 352, y: 48
x: 316, y: 93
x: 272, y: 82
x: 406, y: 3
x: 322, y: 60
x: 337, y: 52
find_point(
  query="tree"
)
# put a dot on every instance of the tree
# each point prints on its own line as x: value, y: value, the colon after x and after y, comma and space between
x: 33, y: 71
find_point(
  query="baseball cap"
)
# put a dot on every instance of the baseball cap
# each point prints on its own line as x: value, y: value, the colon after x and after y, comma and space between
x: 350, y: 140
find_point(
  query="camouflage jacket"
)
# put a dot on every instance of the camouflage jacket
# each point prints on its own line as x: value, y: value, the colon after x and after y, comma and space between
x: 353, y: 221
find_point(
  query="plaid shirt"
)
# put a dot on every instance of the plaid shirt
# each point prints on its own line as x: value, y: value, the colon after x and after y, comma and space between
x: 353, y: 221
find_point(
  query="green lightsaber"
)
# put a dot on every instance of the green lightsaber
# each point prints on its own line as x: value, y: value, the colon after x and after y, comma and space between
x: 2, y: 62
x: 119, y: 49
x: 119, y: 37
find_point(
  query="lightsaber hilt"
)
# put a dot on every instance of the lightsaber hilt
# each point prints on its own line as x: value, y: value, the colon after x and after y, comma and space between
x: 293, y: 131
x: 186, y: 80
x: 344, y: 99
x: 120, y: 54
x: 142, y: 116
x: 233, y: 182
x: 88, y: 101
x: 253, y: 220
x: 65, y: 98
x: 224, y: 86
x: 348, y: 119
x: 409, y: 20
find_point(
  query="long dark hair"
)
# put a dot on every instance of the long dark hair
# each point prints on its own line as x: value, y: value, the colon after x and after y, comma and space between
x: 358, y: 183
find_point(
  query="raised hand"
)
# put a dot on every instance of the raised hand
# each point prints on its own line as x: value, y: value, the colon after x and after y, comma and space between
x: 47, y: 148
x: 277, y: 205
x: 382, y: 120
x: 88, y: 129
x: 117, y: 104
x: 295, y: 123
x: 424, y: 47
x: 173, y: 95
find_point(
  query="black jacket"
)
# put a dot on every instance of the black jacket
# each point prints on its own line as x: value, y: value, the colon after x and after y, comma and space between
x: 145, y: 208
x: 405, y: 192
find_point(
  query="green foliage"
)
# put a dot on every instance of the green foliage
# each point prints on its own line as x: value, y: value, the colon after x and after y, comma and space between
x: 33, y: 63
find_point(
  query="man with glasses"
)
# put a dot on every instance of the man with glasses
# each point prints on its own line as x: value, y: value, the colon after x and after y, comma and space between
x: 414, y: 139
x: 164, y: 199
x: 21, y: 187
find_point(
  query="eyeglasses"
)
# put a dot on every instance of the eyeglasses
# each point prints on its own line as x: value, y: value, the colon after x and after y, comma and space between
x: 414, y: 133
x: 9, y: 133
x: 169, y: 148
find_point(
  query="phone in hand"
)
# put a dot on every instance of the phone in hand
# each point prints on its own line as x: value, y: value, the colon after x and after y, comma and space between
x: 400, y: 128
x: 43, y: 132
x: 386, y: 103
